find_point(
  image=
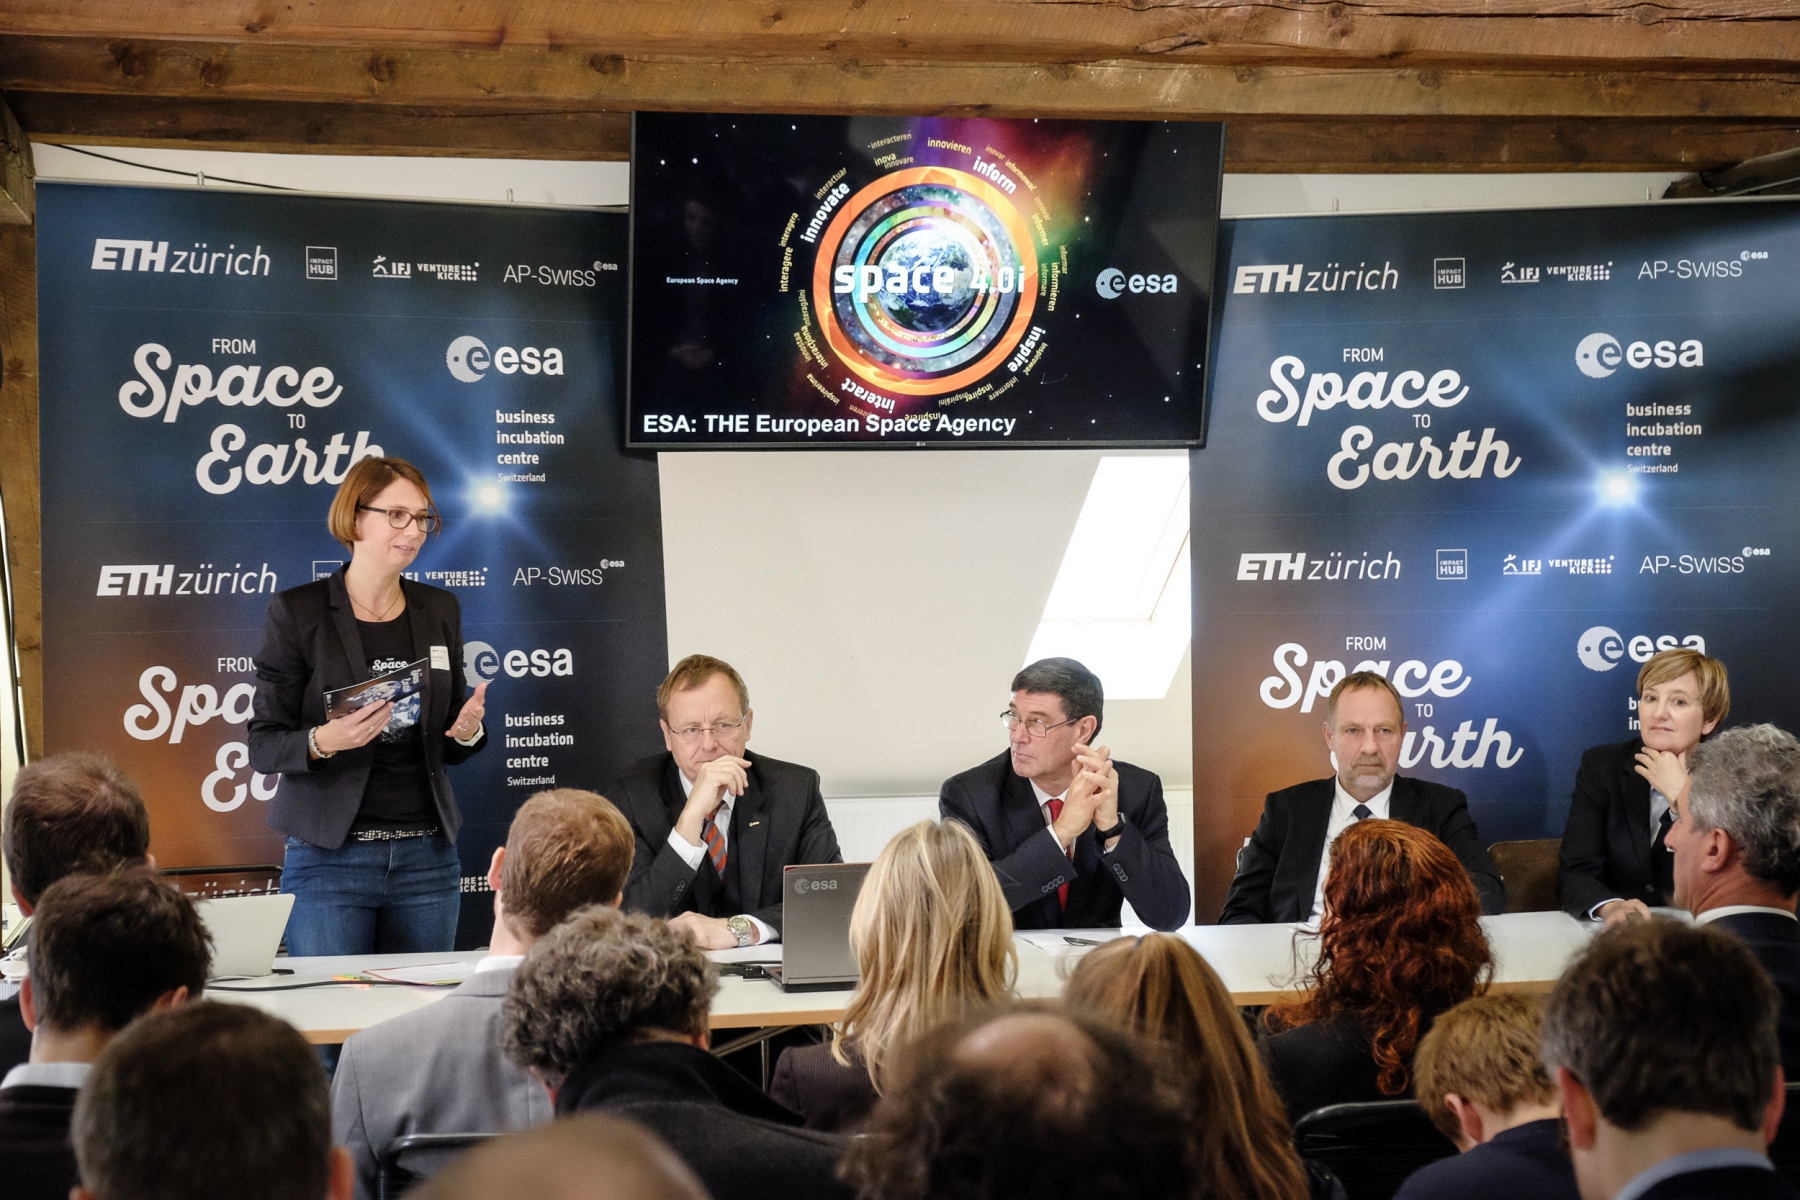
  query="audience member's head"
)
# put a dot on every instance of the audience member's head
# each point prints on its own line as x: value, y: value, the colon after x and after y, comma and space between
x: 1027, y: 1102
x: 1662, y: 1039
x: 1160, y: 987
x: 1480, y: 1071
x: 566, y: 849
x: 602, y: 979
x: 1737, y: 839
x: 585, y: 1157
x: 71, y: 813
x: 104, y: 949
x: 208, y: 1101
x: 1400, y: 941
x: 932, y: 934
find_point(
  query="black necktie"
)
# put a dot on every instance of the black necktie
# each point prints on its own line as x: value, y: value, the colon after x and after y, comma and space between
x: 1362, y: 812
x: 1662, y: 859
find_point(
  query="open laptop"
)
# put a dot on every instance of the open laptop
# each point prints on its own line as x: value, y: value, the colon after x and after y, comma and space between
x: 815, y: 927
x: 246, y: 933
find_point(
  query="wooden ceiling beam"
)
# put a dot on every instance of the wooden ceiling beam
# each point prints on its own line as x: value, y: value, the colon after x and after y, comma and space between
x: 1252, y: 144
x: 1576, y: 33
x: 511, y: 77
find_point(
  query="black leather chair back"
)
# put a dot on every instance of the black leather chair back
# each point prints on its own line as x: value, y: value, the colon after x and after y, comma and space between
x: 1373, y: 1147
x: 417, y: 1156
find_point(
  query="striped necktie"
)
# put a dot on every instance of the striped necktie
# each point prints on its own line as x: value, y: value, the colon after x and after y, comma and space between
x: 715, y: 842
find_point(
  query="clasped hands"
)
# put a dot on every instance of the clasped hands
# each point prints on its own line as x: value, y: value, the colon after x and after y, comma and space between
x: 1092, y: 798
x: 363, y: 726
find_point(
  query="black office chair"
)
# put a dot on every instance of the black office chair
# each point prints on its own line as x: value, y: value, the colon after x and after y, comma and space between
x: 1371, y: 1147
x: 413, y: 1157
x: 1784, y: 1151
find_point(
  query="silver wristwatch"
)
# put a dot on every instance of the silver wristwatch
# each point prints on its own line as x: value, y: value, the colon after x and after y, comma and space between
x: 744, y: 928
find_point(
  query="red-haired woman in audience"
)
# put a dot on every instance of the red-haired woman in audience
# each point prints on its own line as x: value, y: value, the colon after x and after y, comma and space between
x: 1160, y: 987
x: 932, y: 935
x: 1400, y: 942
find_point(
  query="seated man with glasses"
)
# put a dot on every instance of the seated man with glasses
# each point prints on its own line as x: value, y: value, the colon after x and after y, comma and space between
x: 1071, y: 833
x: 716, y: 824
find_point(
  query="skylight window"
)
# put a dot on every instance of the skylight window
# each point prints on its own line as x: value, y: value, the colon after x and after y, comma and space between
x: 1121, y: 601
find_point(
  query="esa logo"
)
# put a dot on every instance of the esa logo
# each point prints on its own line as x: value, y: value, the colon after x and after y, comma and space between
x: 1599, y: 355
x: 1601, y: 647
x: 469, y: 360
x: 803, y: 886
x: 1112, y: 281
x: 482, y: 663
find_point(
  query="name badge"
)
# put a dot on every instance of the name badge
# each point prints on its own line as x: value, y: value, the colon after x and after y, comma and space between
x: 440, y: 658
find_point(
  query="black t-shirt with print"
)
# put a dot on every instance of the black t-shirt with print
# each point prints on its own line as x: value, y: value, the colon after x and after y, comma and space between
x: 399, y: 792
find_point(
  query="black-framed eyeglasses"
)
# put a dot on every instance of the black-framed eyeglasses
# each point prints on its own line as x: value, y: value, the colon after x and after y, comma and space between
x: 1036, y: 727
x: 399, y: 518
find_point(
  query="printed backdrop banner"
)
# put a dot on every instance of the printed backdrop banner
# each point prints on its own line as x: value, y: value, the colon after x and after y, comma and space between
x: 1502, y: 458
x: 213, y: 362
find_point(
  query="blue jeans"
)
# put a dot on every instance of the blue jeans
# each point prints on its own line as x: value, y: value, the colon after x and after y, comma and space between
x: 393, y: 897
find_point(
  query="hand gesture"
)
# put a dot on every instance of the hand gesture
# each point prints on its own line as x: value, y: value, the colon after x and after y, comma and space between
x: 1097, y: 761
x: 469, y: 719
x: 1667, y: 772
x: 1617, y: 912
x: 709, y: 933
x: 711, y: 782
x: 353, y: 729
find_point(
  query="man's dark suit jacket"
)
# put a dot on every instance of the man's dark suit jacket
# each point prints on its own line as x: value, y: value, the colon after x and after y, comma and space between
x: 311, y: 645
x: 1278, y: 871
x: 1525, y: 1161
x: 741, y: 1144
x: 37, y: 1161
x: 1725, y: 1183
x: 1776, y: 943
x: 1000, y: 809
x: 832, y: 1097
x: 1606, y: 842
x: 15, y: 1039
x: 780, y: 821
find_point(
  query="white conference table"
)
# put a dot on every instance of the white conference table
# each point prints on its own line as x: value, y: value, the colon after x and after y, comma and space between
x: 1258, y: 964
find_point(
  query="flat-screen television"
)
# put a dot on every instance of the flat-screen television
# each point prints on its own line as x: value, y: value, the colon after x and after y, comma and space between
x: 919, y: 281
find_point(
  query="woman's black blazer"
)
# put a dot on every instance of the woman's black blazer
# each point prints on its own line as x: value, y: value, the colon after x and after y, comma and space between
x: 310, y: 646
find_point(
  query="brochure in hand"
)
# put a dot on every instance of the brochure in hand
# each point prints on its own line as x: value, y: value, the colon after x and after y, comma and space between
x: 403, y: 685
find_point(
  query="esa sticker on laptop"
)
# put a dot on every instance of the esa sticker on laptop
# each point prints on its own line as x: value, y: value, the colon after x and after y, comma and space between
x: 440, y: 658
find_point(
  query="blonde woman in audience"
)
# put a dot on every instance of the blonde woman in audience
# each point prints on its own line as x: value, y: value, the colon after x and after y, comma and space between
x: 932, y: 936
x: 1160, y: 987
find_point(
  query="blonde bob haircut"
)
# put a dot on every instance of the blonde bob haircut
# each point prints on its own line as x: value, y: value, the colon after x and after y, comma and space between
x: 933, y: 937
x: 1708, y: 672
x: 367, y: 479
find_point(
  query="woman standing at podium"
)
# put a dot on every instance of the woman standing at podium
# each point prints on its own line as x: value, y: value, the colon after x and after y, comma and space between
x: 364, y: 799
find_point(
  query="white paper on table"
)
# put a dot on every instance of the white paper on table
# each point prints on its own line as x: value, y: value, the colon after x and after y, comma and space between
x: 769, y: 952
x: 431, y: 974
x: 1056, y: 943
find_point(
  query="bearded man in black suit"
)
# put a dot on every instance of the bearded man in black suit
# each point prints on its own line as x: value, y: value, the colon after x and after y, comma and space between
x: 1281, y: 871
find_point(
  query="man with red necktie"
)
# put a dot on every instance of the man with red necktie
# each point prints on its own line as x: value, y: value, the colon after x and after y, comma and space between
x: 1072, y: 833
x: 716, y: 824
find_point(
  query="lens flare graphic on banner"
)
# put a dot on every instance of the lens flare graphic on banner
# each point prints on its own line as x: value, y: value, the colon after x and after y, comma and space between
x: 925, y: 280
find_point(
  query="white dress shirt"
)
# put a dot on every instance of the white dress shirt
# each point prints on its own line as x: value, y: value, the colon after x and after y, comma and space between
x: 498, y: 962
x: 55, y: 1074
x: 1693, y: 1160
x: 1343, y: 815
x: 1732, y: 910
x: 692, y: 854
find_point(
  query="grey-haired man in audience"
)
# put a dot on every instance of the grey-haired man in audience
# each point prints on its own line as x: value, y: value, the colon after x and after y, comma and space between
x: 1736, y: 843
